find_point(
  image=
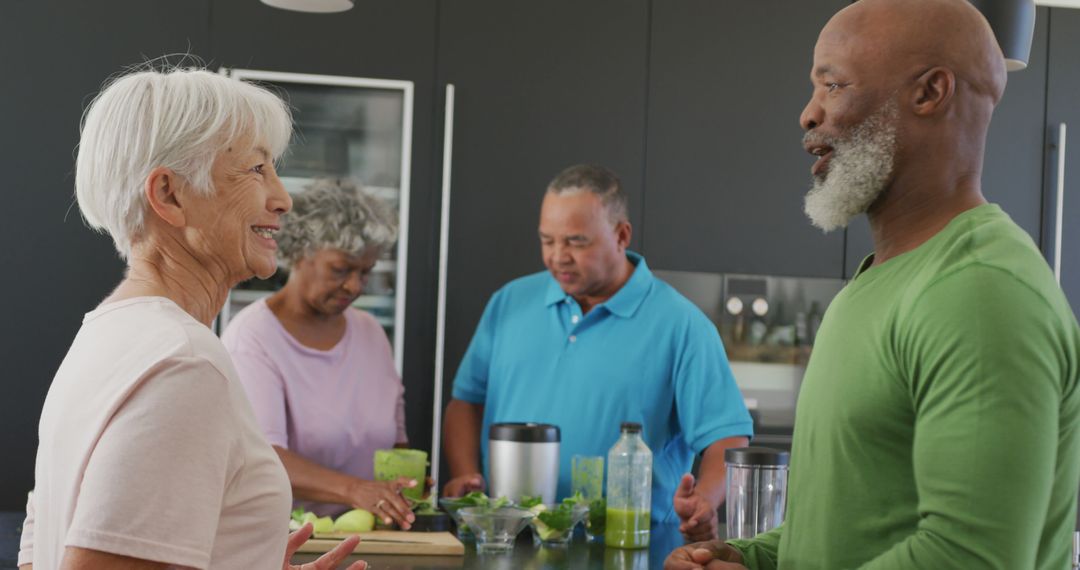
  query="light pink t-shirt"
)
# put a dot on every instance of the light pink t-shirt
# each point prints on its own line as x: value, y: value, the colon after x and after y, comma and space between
x: 148, y: 448
x: 334, y: 407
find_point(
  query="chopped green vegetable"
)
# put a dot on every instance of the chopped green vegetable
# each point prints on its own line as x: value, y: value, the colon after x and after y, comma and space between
x: 423, y: 506
x: 556, y: 522
x: 557, y: 519
x: 529, y: 501
x: 479, y: 499
x: 297, y: 514
x: 475, y: 499
x: 597, y: 516
x: 575, y: 500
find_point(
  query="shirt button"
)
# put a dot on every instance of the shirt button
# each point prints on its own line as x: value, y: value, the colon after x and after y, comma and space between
x: 574, y: 319
x: 573, y: 338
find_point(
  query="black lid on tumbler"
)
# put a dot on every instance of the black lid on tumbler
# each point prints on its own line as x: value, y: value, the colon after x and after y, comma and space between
x: 630, y: 427
x: 524, y: 432
x: 756, y: 456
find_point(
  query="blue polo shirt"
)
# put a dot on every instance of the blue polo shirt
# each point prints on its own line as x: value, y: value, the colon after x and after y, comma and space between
x: 645, y: 355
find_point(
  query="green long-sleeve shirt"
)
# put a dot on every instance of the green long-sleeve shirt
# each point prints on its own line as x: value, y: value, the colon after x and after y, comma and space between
x: 938, y: 425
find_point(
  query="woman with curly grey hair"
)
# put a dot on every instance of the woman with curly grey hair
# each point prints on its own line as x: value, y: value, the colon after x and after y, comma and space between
x: 320, y: 373
x: 149, y: 454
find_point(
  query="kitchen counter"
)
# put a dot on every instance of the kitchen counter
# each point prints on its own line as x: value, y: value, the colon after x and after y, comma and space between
x: 578, y: 555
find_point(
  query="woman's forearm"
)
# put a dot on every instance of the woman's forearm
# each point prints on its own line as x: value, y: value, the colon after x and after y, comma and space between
x: 313, y: 482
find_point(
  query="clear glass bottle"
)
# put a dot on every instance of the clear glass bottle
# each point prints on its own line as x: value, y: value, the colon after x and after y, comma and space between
x: 629, y: 490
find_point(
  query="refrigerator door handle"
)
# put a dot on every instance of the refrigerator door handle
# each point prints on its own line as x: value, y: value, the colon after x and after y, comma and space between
x: 1060, y: 200
x: 440, y: 315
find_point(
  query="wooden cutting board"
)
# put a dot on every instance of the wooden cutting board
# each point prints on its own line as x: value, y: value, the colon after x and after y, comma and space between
x: 391, y: 542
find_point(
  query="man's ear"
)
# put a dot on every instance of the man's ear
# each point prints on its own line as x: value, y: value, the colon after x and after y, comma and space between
x: 934, y: 90
x: 161, y: 189
x: 623, y: 233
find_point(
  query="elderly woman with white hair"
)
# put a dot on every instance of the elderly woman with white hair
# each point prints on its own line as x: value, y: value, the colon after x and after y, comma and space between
x: 320, y: 373
x: 149, y: 454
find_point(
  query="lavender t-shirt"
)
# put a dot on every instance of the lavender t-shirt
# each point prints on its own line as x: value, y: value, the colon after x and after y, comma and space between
x: 334, y: 407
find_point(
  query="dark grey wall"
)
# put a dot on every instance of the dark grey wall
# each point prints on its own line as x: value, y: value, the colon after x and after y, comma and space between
x: 1063, y: 106
x: 728, y: 81
x: 56, y: 55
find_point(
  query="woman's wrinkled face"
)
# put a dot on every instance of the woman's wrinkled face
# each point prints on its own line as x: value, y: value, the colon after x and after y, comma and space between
x: 329, y: 280
x: 232, y: 230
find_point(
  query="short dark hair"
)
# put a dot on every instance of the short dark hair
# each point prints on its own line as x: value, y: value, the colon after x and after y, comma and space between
x: 598, y: 180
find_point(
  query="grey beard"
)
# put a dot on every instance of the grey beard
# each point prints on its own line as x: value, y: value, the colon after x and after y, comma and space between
x: 858, y: 170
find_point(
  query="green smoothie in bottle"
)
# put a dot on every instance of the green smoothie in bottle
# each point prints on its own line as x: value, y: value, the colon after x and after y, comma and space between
x: 627, y: 529
x: 629, y: 490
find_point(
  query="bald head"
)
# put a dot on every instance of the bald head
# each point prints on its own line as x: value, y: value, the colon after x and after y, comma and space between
x: 903, y: 38
x: 903, y: 95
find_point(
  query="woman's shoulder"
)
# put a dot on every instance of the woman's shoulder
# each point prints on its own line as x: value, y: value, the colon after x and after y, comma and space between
x: 362, y: 320
x: 128, y: 342
x: 368, y: 332
x: 249, y: 324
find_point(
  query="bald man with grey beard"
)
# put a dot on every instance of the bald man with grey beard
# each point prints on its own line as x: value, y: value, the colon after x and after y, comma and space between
x: 938, y: 423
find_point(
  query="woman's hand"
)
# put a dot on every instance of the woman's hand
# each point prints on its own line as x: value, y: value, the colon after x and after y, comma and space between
x: 327, y: 561
x: 384, y: 500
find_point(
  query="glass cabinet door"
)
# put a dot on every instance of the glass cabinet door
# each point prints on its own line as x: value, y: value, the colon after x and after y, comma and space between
x: 347, y: 127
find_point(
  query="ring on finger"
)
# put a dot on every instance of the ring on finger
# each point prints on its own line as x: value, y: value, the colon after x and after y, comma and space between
x: 380, y: 504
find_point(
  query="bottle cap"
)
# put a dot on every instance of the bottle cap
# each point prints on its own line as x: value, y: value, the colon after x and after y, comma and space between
x: 630, y: 427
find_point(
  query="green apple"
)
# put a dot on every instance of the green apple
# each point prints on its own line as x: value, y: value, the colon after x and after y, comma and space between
x: 324, y: 525
x: 356, y: 520
x: 309, y: 517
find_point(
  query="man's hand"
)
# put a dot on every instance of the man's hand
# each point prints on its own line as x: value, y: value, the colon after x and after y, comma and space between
x: 464, y: 484
x: 712, y: 555
x: 327, y: 561
x: 697, y: 514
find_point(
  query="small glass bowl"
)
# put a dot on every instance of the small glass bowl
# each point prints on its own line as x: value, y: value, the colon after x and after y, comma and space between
x: 453, y: 506
x: 547, y: 536
x: 495, y: 529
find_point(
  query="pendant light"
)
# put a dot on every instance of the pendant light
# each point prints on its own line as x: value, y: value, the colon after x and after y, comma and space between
x: 1013, y: 22
x: 314, y: 6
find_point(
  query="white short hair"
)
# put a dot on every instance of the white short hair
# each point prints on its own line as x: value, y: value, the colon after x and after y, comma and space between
x: 179, y: 119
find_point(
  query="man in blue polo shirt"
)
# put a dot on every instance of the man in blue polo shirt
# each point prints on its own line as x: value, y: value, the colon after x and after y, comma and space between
x: 595, y: 341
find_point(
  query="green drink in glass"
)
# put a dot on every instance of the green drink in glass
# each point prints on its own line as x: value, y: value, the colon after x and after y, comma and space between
x: 409, y: 463
x: 587, y: 478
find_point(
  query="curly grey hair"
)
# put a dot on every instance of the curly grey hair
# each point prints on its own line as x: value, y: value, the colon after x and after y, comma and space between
x: 334, y: 213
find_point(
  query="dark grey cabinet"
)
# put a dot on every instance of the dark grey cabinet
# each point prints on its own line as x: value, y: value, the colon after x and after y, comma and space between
x: 726, y: 172
x: 383, y: 39
x: 538, y: 87
x: 55, y: 269
x: 1013, y: 162
x: 1063, y: 108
